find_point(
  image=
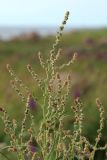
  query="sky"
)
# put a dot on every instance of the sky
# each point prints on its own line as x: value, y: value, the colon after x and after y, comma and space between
x: 83, y: 13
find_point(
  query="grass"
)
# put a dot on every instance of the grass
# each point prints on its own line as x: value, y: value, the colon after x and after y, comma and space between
x: 89, y: 71
x: 20, y: 53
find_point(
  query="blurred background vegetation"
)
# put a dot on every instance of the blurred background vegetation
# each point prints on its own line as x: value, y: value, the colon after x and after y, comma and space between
x: 89, y: 78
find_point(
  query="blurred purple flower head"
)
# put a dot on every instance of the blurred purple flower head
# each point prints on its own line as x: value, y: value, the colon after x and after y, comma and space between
x: 77, y: 94
x: 32, y: 148
x: 31, y: 102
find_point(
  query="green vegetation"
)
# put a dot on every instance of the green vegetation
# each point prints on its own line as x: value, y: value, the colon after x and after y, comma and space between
x: 88, y: 74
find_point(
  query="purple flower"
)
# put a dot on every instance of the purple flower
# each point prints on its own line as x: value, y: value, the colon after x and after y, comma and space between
x: 32, y: 148
x: 31, y: 102
x: 77, y: 94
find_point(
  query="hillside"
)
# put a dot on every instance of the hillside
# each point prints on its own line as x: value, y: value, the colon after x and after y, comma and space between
x: 88, y: 73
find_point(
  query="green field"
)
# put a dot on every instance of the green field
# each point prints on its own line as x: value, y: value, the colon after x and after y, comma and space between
x: 89, y: 74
